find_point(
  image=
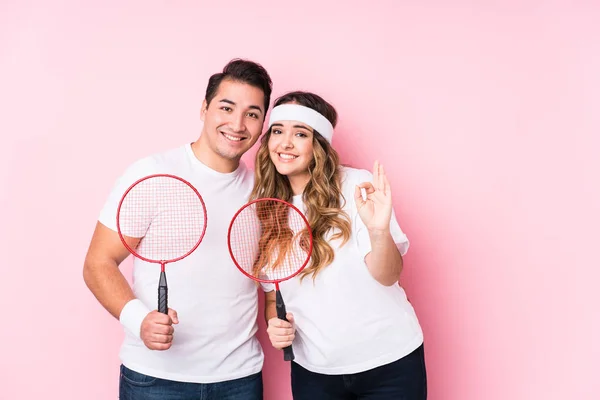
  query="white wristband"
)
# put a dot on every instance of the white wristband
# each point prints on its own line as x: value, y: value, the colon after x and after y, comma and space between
x: 132, y: 315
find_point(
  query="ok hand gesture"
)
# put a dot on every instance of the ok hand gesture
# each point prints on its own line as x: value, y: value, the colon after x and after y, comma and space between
x: 376, y: 210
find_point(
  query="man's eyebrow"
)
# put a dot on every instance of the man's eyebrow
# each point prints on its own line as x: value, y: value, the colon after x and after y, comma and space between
x: 253, y: 107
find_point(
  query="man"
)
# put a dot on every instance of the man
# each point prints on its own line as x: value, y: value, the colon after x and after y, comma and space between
x: 206, y: 345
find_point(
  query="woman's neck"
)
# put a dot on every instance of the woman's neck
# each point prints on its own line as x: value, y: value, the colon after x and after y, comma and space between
x: 299, y: 182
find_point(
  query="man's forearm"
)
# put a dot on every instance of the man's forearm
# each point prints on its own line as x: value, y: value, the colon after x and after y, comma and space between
x: 109, y: 286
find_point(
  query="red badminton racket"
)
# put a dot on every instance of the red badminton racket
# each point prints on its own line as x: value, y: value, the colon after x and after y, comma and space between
x: 270, y: 240
x: 161, y: 219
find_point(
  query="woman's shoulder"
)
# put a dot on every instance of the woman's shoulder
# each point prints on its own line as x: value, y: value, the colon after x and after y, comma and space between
x: 354, y: 176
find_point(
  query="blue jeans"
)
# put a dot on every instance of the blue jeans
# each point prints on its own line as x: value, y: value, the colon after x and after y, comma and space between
x: 404, y: 379
x: 136, y: 386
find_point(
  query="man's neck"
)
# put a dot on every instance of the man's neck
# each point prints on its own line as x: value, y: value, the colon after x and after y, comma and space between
x: 213, y: 160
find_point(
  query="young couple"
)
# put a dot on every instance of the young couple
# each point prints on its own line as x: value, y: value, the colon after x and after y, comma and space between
x: 354, y: 333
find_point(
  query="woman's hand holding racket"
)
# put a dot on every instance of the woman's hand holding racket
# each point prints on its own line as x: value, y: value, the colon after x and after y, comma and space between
x: 281, y: 332
x: 376, y: 210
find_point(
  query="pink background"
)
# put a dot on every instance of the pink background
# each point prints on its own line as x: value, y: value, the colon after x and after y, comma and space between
x: 485, y: 115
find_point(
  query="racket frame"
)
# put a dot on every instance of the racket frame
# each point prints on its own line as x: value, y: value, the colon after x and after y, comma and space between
x: 288, y: 353
x: 275, y: 281
x: 162, y: 285
x: 132, y: 251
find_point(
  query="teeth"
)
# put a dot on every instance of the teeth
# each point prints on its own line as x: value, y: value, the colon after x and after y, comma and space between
x: 235, y: 139
x: 287, y: 156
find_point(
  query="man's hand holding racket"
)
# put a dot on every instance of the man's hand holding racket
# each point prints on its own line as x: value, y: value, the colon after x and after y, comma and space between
x: 157, y: 329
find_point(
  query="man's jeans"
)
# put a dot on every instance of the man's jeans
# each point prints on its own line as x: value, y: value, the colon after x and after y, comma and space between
x: 136, y: 386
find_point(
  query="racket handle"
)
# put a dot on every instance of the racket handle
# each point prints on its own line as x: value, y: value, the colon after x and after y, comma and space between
x: 162, y: 293
x: 288, y: 352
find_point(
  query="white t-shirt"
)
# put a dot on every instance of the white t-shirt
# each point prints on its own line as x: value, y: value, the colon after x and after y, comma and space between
x: 216, y: 304
x: 346, y: 321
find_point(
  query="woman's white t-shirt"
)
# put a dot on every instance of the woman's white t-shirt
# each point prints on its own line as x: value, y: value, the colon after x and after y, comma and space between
x: 346, y: 321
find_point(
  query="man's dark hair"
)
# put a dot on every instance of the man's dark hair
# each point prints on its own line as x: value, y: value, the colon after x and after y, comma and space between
x: 243, y: 71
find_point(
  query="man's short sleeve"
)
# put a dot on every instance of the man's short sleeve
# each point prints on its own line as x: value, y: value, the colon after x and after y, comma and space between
x: 138, y: 170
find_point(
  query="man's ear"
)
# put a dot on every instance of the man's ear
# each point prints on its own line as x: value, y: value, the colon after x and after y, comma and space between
x: 203, y: 110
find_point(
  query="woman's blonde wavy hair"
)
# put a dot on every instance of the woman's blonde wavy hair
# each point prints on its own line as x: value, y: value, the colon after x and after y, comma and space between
x: 322, y: 195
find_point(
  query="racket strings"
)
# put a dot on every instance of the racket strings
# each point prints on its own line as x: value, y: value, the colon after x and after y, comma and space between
x: 270, y: 240
x: 167, y: 214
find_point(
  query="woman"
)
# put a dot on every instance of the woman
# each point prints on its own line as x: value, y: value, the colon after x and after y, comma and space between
x: 354, y: 333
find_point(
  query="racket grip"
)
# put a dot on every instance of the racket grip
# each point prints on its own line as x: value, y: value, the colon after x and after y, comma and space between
x: 288, y: 352
x: 162, y: 294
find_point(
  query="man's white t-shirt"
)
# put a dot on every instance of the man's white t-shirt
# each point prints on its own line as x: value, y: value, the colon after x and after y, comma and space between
x: 346, y: 321
x: 216, y: 304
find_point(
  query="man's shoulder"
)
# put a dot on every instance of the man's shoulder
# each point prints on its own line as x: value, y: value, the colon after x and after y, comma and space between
x: 245, y: 180
x: 171, y: 156
x: 246, y: 174
x: 157, y: 163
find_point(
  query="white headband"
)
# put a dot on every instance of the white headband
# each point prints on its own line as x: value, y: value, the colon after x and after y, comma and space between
x: 296, y: 112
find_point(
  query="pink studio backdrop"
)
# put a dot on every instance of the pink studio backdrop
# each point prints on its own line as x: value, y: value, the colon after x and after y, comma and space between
x: 485, y: 115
